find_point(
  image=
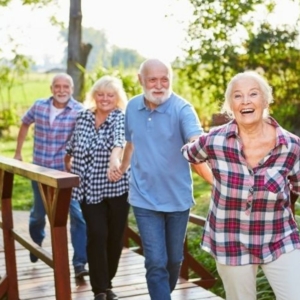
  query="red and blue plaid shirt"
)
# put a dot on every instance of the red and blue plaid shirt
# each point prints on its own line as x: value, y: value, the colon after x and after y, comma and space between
x: 50, y: 140
x: 250, y: 219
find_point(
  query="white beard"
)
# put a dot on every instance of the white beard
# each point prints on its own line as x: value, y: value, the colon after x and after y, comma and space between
x: 157, y: 100
x: 62, y: 100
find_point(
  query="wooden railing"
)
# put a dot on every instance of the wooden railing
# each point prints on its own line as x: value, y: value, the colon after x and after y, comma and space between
x: 204, y: 278
x: 55, y: 187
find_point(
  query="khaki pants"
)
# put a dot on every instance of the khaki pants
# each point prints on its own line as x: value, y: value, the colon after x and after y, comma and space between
x: 283, y: 275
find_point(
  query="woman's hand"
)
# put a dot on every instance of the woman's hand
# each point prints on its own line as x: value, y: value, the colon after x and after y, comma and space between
x: 114, y: 173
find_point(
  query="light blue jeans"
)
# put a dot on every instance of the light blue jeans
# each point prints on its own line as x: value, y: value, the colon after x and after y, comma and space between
x: 37, y: 224
x: 162, y: 235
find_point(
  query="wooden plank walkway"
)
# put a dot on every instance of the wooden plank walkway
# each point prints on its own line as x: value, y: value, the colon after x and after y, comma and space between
x: 36, y: 280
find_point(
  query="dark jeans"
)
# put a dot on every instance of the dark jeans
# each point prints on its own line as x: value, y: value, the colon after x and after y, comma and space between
x: 105, y: 223
x: 37, y: 223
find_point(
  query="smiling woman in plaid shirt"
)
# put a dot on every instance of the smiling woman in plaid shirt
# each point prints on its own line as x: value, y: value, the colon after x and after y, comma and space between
x: 94, y: 153
x: 255, y: 164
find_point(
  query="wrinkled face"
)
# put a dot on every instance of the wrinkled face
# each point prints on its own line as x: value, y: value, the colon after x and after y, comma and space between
x: 106, y: 100
x: 155, y: 81
x: 61, y: 89
x: 247, y: 101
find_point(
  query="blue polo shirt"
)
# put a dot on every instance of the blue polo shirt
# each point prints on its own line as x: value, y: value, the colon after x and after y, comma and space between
x: 160, y: 176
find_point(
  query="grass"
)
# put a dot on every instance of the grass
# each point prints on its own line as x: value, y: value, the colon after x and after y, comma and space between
x: 22, y: 193
x: 24, y: 92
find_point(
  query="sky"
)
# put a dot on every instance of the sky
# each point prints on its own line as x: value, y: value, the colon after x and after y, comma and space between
x: 141, y: 25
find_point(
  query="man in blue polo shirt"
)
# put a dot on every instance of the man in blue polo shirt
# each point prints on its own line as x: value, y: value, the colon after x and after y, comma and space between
x: 157, y: 124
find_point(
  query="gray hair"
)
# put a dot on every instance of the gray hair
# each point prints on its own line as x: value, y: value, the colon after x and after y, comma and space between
x: 65, y: 76
x: 154, y: 61
x: 261, y: 81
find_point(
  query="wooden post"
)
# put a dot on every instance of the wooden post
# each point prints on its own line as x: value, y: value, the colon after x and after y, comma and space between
x: 58, y: 222
x: 9, y: 242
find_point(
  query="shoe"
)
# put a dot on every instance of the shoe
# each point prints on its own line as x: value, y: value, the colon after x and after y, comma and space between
x: 110, y: 295
x: 34, y: 258
x: 80, y: 271
x: 101, y: 296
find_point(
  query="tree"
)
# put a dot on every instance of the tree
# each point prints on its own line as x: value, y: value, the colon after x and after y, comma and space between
x: 100, y: 54
x: 227, y: 37
x: 77, y: 51
x: 127, y: 58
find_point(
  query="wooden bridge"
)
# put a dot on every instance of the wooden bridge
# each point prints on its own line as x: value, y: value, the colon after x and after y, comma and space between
x: 52, y: 276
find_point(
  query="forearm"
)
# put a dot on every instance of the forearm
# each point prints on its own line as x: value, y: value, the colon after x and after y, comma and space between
x: 204, y: 171
x: 126, y: 156
x: 115, y: 157
x: 20, y: 140
x: 68, y: 162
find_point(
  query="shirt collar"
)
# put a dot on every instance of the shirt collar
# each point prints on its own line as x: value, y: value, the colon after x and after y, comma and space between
x: 281, y: 138
x: 110, y: 118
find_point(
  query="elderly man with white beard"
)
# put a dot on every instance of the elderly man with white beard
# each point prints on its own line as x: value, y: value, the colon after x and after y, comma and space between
x: 157, y: 124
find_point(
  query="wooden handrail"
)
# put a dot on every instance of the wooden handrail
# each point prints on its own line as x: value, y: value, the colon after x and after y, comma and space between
x: 55, y: 187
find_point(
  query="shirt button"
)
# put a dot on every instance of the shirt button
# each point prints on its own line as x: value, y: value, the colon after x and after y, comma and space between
x: 149, y: 119
x: 251, y: 190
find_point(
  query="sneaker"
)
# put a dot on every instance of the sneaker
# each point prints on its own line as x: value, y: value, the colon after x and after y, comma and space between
x: 80, y: 271
x: 110, y: 295
x: 101, y: 296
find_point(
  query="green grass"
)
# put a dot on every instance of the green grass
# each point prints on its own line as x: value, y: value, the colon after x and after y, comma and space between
x: 22, y: 193
x: 25, y: 91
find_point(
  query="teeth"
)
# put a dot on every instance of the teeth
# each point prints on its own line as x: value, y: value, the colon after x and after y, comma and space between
x: 247, y: 110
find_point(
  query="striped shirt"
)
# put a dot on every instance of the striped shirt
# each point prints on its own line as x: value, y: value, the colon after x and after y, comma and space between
x: 250, y: 220
x: 91, y: 149
x: 50, y: 140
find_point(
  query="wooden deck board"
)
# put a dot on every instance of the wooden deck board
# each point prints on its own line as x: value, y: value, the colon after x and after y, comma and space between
x: 36, y: 281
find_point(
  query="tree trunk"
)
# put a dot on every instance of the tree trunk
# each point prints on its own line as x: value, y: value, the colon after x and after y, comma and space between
x: 77, y: 51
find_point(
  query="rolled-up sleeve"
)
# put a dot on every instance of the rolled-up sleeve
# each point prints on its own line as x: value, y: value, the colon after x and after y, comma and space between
x: 195, y: 152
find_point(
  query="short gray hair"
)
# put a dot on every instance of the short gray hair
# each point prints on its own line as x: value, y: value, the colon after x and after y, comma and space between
x: 65, y: 76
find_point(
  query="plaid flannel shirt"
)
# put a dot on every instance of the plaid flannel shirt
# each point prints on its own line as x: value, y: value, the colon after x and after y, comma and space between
x: 50, y: 140
x: 250, y: 219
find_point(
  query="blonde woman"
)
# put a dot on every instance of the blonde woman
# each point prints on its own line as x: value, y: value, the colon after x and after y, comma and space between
x: 94, y: 153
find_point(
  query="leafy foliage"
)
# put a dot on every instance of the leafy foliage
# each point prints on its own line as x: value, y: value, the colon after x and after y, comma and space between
x: 39, y: 3
x: 11, y: 71
x: 228, y: 37
x: 128, y: 77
